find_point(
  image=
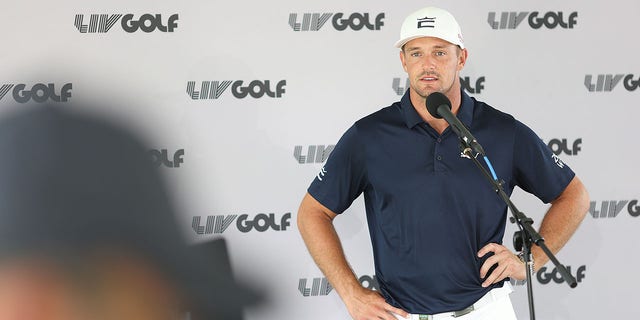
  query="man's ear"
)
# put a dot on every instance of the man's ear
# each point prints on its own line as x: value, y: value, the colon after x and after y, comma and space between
x: 404, y: 65
x: 462, y: 58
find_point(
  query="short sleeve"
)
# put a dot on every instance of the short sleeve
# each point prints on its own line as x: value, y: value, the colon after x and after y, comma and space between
x: 342, y: 179
x: 537, y: 169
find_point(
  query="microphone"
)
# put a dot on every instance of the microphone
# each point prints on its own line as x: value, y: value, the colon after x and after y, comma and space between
x: 439, y: 107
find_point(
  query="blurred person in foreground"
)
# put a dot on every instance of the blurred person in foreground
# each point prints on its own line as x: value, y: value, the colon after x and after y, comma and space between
x: 87, y: 230
x: 436, y: 226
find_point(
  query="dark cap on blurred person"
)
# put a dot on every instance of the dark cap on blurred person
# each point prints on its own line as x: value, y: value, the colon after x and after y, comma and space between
x: 75, y: 185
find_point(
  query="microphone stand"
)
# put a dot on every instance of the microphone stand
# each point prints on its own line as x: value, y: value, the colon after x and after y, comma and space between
x: 527, y: 234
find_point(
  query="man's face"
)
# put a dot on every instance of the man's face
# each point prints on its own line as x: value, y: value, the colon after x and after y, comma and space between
x: 433, y: 65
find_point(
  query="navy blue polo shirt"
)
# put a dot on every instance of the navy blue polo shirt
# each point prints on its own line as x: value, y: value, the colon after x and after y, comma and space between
x: 429, y: 210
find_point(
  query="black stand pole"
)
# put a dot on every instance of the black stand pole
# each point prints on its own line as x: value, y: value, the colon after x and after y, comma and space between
x: 527, y: 233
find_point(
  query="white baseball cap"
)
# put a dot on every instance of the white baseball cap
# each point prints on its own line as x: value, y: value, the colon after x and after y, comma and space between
x: 430, y: 22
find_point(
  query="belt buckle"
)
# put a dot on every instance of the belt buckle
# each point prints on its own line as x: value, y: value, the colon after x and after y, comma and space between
x: 425, y: 317
x: 463, y: 312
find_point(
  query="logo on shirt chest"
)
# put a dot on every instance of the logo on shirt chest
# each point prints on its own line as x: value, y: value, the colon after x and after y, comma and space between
x: 466, y: 154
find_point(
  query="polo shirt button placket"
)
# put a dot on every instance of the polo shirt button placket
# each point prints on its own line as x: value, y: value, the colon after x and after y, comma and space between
x: 437, y: 156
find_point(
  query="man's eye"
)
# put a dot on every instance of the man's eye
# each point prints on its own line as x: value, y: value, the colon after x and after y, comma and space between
x: 440, y: 53
x: 415, y: 54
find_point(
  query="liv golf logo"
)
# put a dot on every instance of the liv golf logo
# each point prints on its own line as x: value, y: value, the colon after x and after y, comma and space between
x: 535, y: 19
x: 546, y: 275
x: 607, y: 82
x: 321, y: 287
x: 38, y: 92
x: 256, y: 89
x: 161, y: 157
x: 339, y: 21
x: 244, y: 223
x: 102, y: 23
x: 315, y: 154
x: 565, y: 146
x: 473, y: 86
x: 612, y: 208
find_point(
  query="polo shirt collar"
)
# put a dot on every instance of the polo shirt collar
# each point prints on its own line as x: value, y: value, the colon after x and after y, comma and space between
x: 412, y: 118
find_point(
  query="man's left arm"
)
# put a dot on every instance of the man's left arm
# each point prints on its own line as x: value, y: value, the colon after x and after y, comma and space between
x: 558, y: 225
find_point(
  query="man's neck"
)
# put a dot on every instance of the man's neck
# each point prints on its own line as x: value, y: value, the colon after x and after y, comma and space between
x: 419, y: 104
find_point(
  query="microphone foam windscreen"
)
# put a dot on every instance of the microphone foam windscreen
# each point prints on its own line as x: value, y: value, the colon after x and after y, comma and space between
x: 434, y: 101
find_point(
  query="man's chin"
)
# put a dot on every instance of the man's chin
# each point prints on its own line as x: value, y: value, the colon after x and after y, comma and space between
x: 427, y: 92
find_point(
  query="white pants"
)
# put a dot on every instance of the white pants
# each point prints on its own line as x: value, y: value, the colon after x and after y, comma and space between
x: 495, y: 305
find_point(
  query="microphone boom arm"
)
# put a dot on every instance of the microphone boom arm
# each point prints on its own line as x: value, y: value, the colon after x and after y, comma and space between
x: 527, y: 233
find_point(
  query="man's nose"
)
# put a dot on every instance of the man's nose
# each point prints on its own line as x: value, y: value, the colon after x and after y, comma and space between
x: 428, y: 63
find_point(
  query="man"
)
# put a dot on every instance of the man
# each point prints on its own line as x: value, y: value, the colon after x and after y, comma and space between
x: 436, y: 226
x: 87, y: 230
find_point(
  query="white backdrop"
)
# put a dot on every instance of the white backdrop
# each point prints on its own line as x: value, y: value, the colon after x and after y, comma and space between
x: 242, y: 168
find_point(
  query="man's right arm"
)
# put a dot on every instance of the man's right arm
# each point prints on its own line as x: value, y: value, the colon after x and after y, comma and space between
x: 315, y: 222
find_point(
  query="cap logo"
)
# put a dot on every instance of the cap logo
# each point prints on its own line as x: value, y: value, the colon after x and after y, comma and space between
x: 426, y: 22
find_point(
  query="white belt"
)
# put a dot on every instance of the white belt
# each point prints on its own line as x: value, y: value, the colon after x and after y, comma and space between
x: 491, y: 296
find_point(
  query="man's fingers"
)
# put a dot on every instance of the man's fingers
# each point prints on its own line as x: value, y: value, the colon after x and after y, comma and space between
x: 497, y: 275
x: 397, y: 311
x: 506, y: 265
x: 371, y: 305
x: 491, y: 247
x: 487, y: 265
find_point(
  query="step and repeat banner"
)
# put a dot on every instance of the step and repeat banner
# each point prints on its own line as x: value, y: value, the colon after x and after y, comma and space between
x: 243, y: 101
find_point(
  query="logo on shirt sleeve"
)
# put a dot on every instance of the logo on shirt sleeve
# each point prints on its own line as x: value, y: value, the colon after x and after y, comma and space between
x: 322, y: 173
x: 557, y: 160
